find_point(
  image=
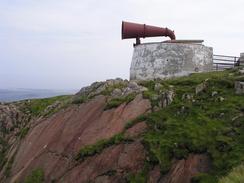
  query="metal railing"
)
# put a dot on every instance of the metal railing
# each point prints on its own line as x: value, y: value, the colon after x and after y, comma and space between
x: 221, y: 62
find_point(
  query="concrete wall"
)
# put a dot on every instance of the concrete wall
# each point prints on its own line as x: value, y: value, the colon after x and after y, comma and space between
x: 164, y: 60
x: 242, y: 59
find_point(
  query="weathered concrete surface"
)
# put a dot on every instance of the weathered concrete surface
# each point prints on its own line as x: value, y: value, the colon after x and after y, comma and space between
x: 242, y: 59
x: 164, y: 60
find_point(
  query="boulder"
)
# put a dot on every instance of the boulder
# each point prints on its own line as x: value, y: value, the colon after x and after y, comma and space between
x: 166, y: 98
x: 201, y: 87
x: 158, y: 87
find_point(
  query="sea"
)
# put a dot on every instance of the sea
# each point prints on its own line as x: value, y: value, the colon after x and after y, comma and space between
x: 10, y: 95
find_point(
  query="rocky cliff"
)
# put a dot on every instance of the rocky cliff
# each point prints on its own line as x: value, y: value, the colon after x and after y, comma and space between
x: 181, y: 130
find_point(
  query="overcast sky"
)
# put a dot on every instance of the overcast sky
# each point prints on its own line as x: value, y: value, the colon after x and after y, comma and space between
x: 67, y: 44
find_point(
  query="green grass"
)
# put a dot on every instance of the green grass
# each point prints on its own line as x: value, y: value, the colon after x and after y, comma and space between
x: 203, y: 178
x: 23, y: 132
x: 107, y: 92
x: 139, y: 177
x: 109, y: 89
x: 115, y: 102
x: 90, y: 150
x: 153, y: 95
x: 235, y: 176
x: 201, y: 126
x: 138, y: 119
x: 79, y: 99
x: 37, y: 106
x: 36, y: 176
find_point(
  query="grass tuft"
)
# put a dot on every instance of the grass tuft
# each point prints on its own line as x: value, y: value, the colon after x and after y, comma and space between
x: 23, y: 132
x: 115, y: 102
x: 37, y: 107
x: 235, y: 176
x: 90, y: 150
x: 36, y: 176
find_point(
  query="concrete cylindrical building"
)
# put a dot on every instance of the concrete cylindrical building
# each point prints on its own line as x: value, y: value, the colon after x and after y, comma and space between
x: 165, y: 60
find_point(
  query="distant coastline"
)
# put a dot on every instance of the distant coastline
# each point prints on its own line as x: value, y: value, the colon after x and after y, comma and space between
x: 11, y: 95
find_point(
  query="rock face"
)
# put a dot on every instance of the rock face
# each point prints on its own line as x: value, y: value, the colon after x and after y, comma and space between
x: 115, y: 160
x: 164, y: 60
x: 10, y: 118
x: 58, y: 139
x: 183, y: 170
x: 54, y: 142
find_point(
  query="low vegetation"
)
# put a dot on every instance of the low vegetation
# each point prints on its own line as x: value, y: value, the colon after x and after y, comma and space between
x: 90, y: 150
x: 135, y: 121
x: 109, y: 89
x: 115, y: 102
x: 100, y: 89
x: 38, y: 107
x: 204, y: 178
x: 36, y: 176
x: 207, y: 123
x: 79, y: 99
x: 23, y: 132
x: 140, y: 177
x: 235, y: 176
